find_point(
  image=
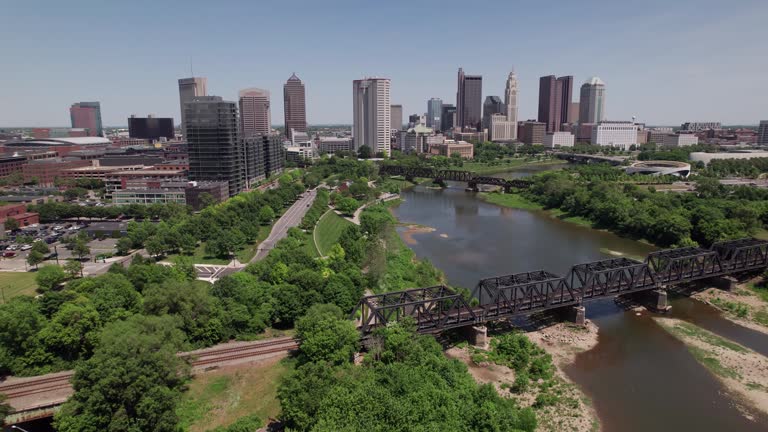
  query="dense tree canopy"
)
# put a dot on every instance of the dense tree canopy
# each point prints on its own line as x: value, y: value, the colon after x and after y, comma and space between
x: 406, y: 384
x: 132, y: 382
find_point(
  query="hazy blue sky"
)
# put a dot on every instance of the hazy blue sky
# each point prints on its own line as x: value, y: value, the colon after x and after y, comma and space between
x: 664, y: 61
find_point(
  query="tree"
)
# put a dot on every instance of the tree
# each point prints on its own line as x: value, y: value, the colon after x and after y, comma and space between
x: 133, y: 381
x: 206, y: 200
x: 191, y: 304
x: 11, y: 224
x: 72, y: 332
x: 48, y: 277
x: 80, y: 248
x: 34, y: 258
x: 326, y: 336
x: 5, y: 409
x: 156, y: 246
x: 266, y: 215
x: 41, y: 247
x: 74, y: 268
x: 364, y: 152
x: 123, y: 246
x: 347, y: 205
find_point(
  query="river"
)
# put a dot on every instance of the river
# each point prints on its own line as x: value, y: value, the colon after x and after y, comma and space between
x: 638, y: 376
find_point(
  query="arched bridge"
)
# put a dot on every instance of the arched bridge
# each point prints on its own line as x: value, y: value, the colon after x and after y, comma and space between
x: 441, y: 175
x: 439, y: 308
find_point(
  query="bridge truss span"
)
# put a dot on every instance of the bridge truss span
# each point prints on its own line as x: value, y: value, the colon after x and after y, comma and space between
x: 434, y: 309
x: 513, y: 294
x: 439, y: 308
x: 441, y: 175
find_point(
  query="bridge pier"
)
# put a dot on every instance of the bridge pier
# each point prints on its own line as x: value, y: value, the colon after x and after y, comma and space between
x: 661, y: 304
x: 473, y: 187
x: 477, y: 335
x: 507, y: 189
x: 725, y: 283
x: 578, y: 315
x: 409, y: 178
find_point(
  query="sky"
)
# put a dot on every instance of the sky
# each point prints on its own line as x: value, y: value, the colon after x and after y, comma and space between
x: 665, y: 62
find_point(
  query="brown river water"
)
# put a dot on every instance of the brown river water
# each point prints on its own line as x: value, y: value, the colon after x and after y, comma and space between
x: 638, y: 376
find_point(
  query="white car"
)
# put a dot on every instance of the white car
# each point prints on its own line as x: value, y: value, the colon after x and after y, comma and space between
x: 26, y: 247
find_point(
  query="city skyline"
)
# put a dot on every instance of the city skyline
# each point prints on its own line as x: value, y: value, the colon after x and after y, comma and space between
x: 694, y: 87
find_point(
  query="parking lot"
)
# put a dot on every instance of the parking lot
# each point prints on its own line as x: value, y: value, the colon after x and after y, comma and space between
x: 15, y: 248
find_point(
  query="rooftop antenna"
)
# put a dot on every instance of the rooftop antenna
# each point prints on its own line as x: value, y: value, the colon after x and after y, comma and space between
x: 191, y: 71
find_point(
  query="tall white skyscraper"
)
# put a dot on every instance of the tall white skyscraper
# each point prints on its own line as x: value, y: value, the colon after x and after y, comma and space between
x: 503, y: 127
x: 190, y: 88
x: 592, y: 101
x: 371, y: 123
x: 255, y: 116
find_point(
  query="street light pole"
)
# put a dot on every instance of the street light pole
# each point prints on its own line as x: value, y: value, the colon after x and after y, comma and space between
x: 16, y: 427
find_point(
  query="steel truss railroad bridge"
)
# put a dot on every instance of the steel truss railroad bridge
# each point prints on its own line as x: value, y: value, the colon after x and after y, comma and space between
x: 441, y: 175
x: 439, y: 308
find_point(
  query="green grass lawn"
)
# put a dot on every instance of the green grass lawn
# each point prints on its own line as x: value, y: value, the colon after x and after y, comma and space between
x: 14, y: 284
x: 243, y: 255
x: 220, y: 397
x: 328, y: 230
x: 510, y: 200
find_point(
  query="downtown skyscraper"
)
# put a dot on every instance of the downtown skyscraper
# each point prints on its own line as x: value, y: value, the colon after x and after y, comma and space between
x: 294, y: 106
x: 592, y: 101
x: 255, y: 117
x: 371, y: 117
x: 434, y: 111
x: 469, y: 100
x: 214, y: 145
x: 510, y: 104
x: 190, y: 88
x: 87, y: 115
x: 555, y: 96
x: 396, y: 115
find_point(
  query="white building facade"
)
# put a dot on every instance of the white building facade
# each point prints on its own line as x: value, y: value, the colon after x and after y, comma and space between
x: 559, y: 139
x: 510, y: 102
x: 680, y: 140
x: 618, y: 134
x: 371, y: 120
x: 501, y: 129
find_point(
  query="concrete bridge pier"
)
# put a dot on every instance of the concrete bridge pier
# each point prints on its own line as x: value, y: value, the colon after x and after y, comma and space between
x: 477, y: 335
x: 440, y: 182
x: 473, y: 187
x: 578, y: 315
x: 661, y: 303
x: 725, y: 283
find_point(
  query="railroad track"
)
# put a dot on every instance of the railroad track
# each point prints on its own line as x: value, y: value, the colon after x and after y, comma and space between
x: 205, y: 357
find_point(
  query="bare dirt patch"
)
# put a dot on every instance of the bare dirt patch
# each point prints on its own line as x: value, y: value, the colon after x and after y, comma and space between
x: 573, y: 411
x: 743, y: 371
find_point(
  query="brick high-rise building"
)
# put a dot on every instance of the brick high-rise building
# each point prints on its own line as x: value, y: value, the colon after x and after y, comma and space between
x: 532, y: 132
x: 469, y: 100
x: 555, y: 101
x: 255, y: 117
x: 87, y: 115
x: 294, y: 106
x: 190, y: 88
x: 215, y: 150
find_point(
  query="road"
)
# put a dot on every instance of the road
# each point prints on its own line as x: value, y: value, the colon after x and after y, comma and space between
x: 291, y: 218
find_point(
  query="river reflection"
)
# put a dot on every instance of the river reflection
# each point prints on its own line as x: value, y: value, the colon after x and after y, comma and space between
x: 639, y: 377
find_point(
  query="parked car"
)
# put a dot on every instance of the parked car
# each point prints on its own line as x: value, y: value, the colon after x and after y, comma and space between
x: 26, y: 247
x: 9, y: 254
